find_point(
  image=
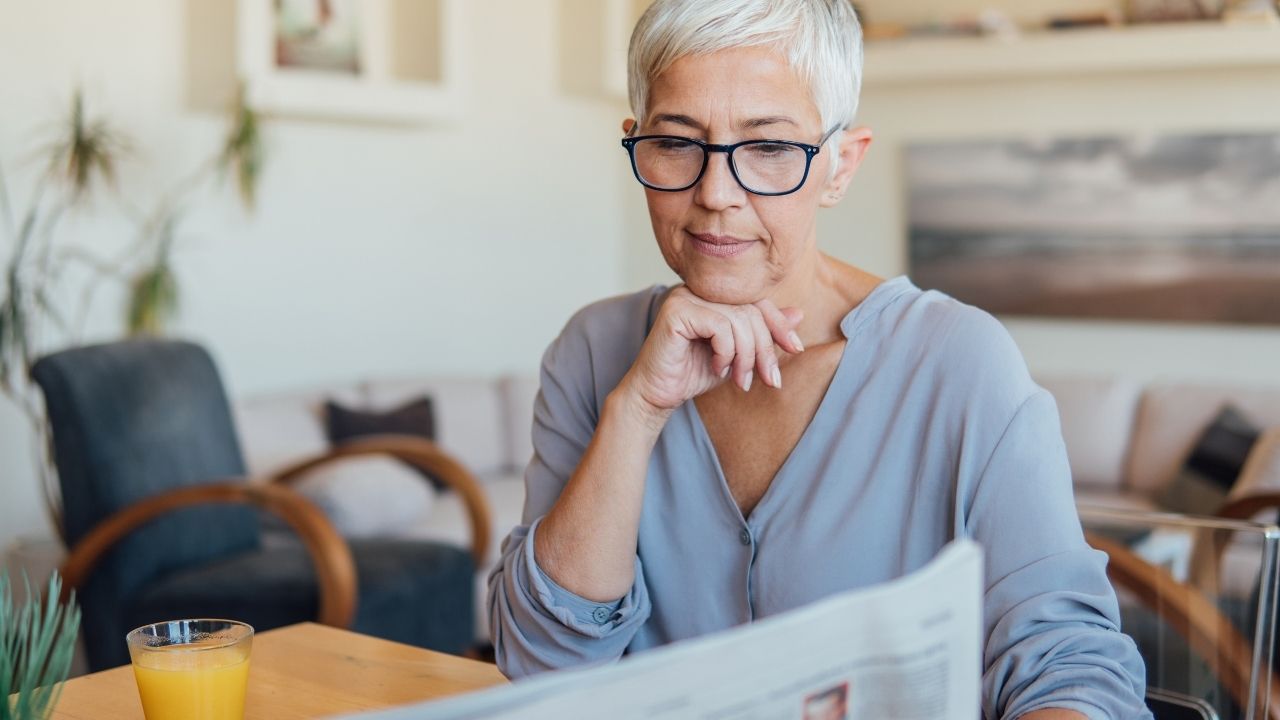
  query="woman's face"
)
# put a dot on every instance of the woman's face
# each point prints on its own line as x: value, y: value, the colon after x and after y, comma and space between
x: 726, y: 244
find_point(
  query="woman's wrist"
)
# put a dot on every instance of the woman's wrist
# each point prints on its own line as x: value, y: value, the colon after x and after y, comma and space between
x: 631, y: 408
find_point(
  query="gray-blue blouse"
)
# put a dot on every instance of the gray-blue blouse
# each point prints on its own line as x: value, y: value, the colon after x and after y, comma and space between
x: 931, y: 429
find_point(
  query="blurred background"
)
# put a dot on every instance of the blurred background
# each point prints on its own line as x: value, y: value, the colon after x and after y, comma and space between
x: 328, y: 194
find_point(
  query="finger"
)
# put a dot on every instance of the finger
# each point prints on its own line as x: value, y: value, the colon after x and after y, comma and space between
x: 794, y: 315
x: 695, y: 323
x: 744, y: 346
x: 766, y: 356
x: 781, y: 327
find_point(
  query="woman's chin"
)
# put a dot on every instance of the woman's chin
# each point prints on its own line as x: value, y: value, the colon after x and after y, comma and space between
x: 725, y: 290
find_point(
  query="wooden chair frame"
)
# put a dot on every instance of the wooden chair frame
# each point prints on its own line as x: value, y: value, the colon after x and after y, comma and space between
x: 329, y: 552
x: 1208, y: 632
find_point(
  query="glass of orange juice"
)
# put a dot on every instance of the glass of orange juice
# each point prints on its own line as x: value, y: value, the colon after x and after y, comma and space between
x: 192, y: 669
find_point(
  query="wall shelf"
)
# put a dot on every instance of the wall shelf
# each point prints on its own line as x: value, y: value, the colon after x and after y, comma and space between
x: 1144, y: 48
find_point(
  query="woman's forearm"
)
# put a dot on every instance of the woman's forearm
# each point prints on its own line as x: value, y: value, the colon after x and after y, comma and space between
x: 587, y: 542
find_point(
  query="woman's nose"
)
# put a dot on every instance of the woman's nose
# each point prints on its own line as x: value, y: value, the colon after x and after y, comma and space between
x: 718, y: 189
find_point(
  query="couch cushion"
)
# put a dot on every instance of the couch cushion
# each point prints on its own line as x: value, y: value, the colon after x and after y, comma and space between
x: 1261, y: 471
x: 1171, y: 418
x: 280, y: 429
x: 416, y: 418
x: 365, y: 497
x: 519, y: 392
x: 469, y: 416
x: 1097, y: 425
x: 1212, y: 467
x: 446, y: 520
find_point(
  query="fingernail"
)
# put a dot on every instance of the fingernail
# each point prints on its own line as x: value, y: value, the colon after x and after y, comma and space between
x: 777, y: 378
x: 725, y: 372
x: 746, y: 384
x: 795, y: 340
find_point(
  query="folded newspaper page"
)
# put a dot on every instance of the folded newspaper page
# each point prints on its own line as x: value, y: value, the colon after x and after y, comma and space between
x: 905, y: 650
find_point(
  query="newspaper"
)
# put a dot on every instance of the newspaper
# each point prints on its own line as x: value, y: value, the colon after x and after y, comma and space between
x: 905, y: 650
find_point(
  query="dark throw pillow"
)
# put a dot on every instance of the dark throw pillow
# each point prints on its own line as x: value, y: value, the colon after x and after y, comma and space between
x: 1213, y: 466
x: 416, y: 418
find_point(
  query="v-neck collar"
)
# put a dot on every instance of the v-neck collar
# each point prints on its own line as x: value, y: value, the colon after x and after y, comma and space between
x: 850, y: 327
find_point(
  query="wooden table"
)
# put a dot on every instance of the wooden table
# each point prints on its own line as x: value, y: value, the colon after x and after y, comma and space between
x: 303, y: 671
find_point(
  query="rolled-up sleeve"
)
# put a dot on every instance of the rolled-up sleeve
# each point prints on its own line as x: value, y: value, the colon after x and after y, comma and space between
x: 539, y: 625
x: 536, y: 624
x: 1051, y: 616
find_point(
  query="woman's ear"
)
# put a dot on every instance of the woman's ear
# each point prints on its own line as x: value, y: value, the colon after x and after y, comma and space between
x: 627, y: 125
x: 851, y: 151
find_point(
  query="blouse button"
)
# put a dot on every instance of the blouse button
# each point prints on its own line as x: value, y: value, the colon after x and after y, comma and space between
x: 600, y: 615
x: 745, y: 536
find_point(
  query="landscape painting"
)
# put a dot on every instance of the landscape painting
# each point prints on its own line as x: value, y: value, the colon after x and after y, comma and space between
x: 1170, y: 227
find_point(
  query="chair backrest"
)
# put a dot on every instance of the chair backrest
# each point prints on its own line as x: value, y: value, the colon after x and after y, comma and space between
x: 1203, y: 633
x: 130, y: 420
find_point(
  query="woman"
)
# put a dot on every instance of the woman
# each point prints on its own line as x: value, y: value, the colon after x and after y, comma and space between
x: 783, y: 426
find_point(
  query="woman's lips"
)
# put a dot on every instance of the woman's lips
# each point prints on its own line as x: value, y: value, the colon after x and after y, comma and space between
x: 720, y: 245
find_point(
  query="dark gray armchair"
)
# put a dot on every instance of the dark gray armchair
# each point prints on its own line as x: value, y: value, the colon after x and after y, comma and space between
x: 161, y: 522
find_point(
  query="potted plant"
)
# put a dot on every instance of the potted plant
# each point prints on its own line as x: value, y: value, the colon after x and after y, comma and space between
x: 37, y: 642
x: 84, y: 159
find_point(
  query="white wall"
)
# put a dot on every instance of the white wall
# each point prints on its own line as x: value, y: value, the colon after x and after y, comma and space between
x: 376, y: 250
x: 875, y: 222
x: 388, y: 250
x: 869, y: 228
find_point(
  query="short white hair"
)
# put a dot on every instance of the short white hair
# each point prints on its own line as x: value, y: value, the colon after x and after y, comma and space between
x: 821, y: 39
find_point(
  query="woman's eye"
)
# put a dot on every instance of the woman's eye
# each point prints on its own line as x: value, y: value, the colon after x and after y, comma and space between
x: 767, y: 149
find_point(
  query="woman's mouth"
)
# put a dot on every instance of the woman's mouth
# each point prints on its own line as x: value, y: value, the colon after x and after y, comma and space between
x: 720, y: 245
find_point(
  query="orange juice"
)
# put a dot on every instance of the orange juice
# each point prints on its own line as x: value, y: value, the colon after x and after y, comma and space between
x: 185, y: 682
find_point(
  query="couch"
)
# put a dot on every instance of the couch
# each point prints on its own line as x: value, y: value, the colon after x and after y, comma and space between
x: 1125, y: 443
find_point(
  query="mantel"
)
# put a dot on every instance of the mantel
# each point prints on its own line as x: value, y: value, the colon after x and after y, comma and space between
x: 1144, y: 48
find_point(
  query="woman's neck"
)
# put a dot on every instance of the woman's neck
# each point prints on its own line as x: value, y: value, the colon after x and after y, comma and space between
x: 825, y: 289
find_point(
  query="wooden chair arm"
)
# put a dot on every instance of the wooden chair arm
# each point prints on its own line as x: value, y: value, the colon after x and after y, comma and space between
x: 1247, y: 506
x: 420, y: 453
x: 1211, y: 545
x: 335, y: 567
x: 1193, y: 616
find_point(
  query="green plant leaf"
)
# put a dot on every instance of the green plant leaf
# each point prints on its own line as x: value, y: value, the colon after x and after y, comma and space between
x: 37, y: 643
x: 153, y: 300
x: 87, y: 150
x: 242, y: 150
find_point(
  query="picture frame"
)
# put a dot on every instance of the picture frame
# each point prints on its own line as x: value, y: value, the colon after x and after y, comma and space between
x: 389, y: 61
x: 1165, y: 226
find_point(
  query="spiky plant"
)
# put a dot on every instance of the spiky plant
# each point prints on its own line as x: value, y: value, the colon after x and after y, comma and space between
x: 85, y: 154
x: 242, y: 150
x: 153, y: 292
x: 153, y: 289
x: 86, y: 148
x: 37, y: 642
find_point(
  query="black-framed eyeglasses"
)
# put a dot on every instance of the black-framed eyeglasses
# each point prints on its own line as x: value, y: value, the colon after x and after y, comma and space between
x: 672, y: 163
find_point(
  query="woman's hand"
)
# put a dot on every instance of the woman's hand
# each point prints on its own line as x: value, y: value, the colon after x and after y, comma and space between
x: 695, y: 345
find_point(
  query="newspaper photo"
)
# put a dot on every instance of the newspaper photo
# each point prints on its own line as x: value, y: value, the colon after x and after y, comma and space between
x: 904, y: 650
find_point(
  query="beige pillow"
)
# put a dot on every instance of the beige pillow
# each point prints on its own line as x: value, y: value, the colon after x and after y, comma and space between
x: 368, y: 496
x: 1261, y: 471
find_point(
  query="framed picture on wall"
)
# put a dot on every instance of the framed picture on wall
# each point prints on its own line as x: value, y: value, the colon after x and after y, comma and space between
x: 398, y: 61
x: 1163, y: 227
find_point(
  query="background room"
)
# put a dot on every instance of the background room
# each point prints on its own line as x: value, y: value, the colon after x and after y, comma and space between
x: 436, y: 198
